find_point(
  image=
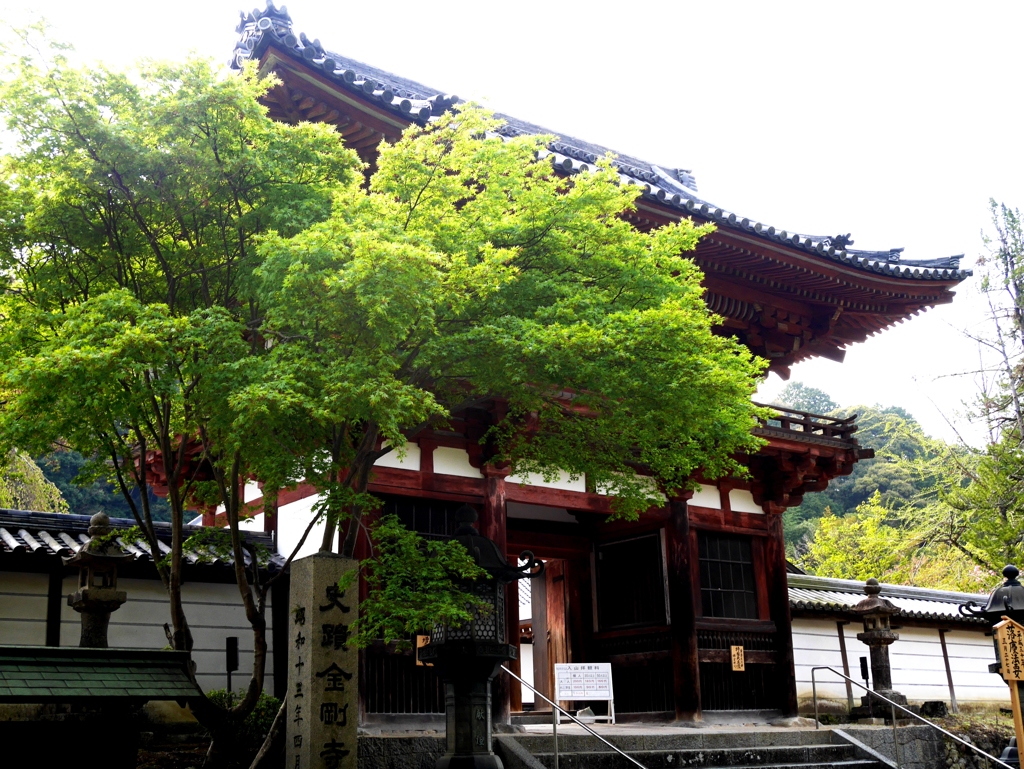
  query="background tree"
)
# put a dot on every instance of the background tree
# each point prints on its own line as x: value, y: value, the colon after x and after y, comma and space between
x: 965, y: 518
x: 88, y: 492
x: 877, y: 541
x: 130, y: 209
x: 469, y: 271
x: 23, y: 486
x: 197, y: 293
x: 901, y: 472
x: 797, y: 395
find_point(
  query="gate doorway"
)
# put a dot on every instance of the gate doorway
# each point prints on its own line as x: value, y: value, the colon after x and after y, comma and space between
x: 549, y: 622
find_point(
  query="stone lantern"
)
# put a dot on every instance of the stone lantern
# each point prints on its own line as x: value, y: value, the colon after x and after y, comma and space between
x: 879, y: 636
x: 97, y: 595
x: 468, y: 657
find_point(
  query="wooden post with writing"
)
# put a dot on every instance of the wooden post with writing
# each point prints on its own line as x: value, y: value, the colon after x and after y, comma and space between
x: 1010, y: 643
x: 322, y: 665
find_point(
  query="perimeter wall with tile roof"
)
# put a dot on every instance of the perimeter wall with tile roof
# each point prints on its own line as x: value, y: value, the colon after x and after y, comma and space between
x: 213, y: 609
x: 918, y: 670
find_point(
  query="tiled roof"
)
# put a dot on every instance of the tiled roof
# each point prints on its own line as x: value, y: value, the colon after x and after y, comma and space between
x: 675, y: 188
x: 68, y: 674
x: 820, y: 594
x: 57, y: 534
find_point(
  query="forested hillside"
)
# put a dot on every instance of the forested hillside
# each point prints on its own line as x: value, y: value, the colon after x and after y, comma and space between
x: 897, y: 517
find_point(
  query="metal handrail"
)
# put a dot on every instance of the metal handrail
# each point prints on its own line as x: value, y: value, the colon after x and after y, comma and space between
x: 572, y: 718
x: 894, y: 706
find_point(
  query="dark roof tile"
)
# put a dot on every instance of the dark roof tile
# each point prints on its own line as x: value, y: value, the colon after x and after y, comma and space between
x: 61, y: 535
x: 273, y: 26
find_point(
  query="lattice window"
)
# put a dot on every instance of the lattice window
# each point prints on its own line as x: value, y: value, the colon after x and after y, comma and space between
x: 727, y: 587
x: 431, y: 518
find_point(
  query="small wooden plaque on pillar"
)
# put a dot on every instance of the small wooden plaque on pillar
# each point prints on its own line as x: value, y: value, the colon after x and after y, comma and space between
x: 322, y: 665
x: 739, y: 661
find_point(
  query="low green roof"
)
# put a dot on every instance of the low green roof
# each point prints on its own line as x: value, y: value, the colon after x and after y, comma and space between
x: 65, y: 674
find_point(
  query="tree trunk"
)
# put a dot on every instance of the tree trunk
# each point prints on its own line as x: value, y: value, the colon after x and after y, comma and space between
x: 272, y: 748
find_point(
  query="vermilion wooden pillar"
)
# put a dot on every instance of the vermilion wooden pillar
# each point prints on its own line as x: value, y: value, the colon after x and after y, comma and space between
x: 778, y: 602
x: 492, y: 526
x: 685, y: 664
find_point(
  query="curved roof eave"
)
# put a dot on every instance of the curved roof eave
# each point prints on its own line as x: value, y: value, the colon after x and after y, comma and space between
x: 414, y: 102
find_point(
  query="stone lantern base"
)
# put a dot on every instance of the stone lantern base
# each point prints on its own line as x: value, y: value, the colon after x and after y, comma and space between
x: 95, y: 604
x: 872, y: 707
x: 467, y: 669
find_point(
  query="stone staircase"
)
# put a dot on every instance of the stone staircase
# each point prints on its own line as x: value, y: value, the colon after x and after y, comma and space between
x: 706, y: 749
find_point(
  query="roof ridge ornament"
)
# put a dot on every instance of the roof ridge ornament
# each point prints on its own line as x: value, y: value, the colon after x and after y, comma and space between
x: 676, y: 187
x: 672, y: 180
x: 253, y: 25
x: 839, y: 242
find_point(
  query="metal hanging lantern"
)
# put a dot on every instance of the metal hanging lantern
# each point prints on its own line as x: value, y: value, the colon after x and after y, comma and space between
x: 468, y: 656
x: 1007, y: 600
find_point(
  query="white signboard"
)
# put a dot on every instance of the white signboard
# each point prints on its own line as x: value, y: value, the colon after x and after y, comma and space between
x: 586, y: 681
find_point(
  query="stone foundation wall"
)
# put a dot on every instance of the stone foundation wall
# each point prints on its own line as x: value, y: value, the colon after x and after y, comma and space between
x: 920, y: 746
x: 381, y: 752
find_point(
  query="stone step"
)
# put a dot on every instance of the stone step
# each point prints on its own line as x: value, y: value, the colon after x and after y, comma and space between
x: 773, y: 755
x: 698, y: 739
x: 615, y: 761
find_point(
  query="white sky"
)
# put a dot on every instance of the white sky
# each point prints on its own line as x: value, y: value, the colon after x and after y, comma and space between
x: 893, y: 121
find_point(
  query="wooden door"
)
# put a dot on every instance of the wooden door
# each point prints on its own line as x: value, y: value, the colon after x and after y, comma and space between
x: 557, y: 619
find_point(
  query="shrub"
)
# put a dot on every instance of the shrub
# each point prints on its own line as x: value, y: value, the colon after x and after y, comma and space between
x: 254, y: 728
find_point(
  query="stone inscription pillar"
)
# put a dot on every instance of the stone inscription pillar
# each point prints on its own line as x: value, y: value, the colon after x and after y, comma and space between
x: 323, y: 666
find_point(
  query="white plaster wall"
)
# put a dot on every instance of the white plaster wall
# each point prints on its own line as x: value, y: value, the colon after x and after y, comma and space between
x: 411, y: 460
x: 251, y: 524
x: 292, y: 520
x: 654, y: 496
x: 918, y: 670
x: 23, y: 608
x: 449, y: 461
x: 251, y: 491
x: 214, y: 612
x: 707, y: 496
x: 742, y: 501
x: 816, y: 642
x: 563, y: 481
x: 526, y: 670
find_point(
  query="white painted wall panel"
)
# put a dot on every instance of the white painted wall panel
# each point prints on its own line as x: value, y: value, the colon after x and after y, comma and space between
x: 563, y: 481
x: 816, y: 642
x: 449, y: 461
x: 742, y: 501
x: 23, y: 608
x: 918, y: 670
x: 252, y: 491
x: 526, y: 670
x: 707, y: 496
x: 411, y: 460
x: 292, y: 520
